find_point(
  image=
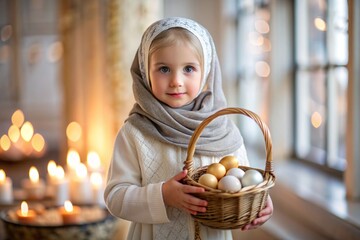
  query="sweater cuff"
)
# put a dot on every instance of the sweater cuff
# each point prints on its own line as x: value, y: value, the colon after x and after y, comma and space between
x: 156, y: 203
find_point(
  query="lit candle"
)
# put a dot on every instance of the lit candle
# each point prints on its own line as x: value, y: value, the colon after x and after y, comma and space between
x: 51, y: 169
x: 34, y: 187
x: 6, y: 189
x: 25, y: 215
x: 70, y: 214
x: 60, y: 187
x: 50, y: 178
x: 72, y: 160
x: 80, y: 187
x: 97, y: 188
x: 93, y: 162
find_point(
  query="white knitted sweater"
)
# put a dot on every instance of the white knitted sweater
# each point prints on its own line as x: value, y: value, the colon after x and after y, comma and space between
x: 137, y: 171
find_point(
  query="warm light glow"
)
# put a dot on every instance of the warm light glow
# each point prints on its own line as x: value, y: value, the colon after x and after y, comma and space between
x: 5, y: 143
x: 73, y: 158
x: 320, y: 24
x: 14, y: 133
x: 18, y: 118
x: 266, y: 47
x: 74, y: 131
x: 24, y: 208
x: 55, y: 52
x: 51, y: 168
x: 2, y: 176
x: 81, y: 171
x: 34, y: 174
x: 27, y: 131
x: 93, y: 160
x: 256, y: 39
x: 96, y: 179
x: 68, y: 206
x: 262, y: 26
x: 316, y: 119
x: 262, y: 69
x: 60, y: 173
x: 38, y: 142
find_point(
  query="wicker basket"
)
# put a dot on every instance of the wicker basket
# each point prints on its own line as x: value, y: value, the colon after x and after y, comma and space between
x: 231, y: 210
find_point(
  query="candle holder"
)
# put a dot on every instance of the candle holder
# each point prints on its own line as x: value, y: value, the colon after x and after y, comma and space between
x: 51, y: 227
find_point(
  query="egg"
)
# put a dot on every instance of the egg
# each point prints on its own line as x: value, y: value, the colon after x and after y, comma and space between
x: 229, y: 162
x: 229, y: 183
x: 237, y: 172
x: 208, y: 180
x: 216, y: 169
x: 251, y: 177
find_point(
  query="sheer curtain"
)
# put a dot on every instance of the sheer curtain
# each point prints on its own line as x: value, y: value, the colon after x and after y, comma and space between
x: 100, y: 41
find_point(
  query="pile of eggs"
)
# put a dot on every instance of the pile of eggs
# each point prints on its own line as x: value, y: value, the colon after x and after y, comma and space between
x: 227, y: 176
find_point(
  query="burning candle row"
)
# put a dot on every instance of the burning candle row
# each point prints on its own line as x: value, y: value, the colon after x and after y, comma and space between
x: 76, y: 184
x: 70, y: 214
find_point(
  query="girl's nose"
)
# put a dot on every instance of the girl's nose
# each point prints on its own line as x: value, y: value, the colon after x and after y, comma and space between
x: 176, y: 80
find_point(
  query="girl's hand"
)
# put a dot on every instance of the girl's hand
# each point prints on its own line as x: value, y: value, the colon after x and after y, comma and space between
x: 178, y: 195
x: 263, y: 216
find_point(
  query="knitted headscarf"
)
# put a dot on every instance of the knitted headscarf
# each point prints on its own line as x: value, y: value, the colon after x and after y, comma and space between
x: 176, y: 125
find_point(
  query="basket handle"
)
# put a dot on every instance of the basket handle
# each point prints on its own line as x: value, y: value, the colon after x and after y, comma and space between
x: 264, y: 129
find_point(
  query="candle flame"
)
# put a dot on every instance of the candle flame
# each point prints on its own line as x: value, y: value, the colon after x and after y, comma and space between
x: 51, y: 168
x: 27, y: 131
x: 38, y: 142
x: 14, y: 133
x: 5, y: 142
x: 68, y: 206
x: 33, y: 174
x: 93, y: 160
x: 60, y: 173
x: 24, y: 208
x: 74, y: 131
x: 18, y: 118
x: 81, y: 170
x: 73, y: 158
x: 2, y: 176
x: 96, y: 179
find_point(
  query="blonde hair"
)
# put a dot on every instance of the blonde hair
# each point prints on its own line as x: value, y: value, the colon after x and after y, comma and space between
x: 175, y: 35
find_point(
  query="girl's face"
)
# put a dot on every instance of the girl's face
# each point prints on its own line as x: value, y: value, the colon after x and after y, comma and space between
x: 175, y: 75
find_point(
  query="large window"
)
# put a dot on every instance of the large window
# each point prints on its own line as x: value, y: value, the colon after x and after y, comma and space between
x: 253, y: 63
x: 321, y: 76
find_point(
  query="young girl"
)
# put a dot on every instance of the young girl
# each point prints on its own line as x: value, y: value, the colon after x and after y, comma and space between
x: 177, y: 84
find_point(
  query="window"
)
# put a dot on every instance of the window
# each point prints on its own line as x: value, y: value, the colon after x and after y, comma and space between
x: 253, y: 63
x: 30, y: 54
x: 321, y: 77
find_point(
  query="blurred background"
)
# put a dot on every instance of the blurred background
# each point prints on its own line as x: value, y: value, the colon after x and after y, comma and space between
x: 65, y: 85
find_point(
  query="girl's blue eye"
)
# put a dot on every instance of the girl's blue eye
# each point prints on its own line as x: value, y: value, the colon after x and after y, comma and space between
x: 189, y: 69
x: 164, y: 69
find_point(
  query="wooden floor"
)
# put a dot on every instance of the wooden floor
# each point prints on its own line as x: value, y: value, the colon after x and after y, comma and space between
x: 259, y: 233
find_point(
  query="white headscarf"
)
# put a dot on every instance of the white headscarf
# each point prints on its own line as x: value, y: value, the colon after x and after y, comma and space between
x: 176, y: 125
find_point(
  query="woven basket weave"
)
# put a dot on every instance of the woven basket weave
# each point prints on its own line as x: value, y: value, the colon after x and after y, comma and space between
x: 231, y: 210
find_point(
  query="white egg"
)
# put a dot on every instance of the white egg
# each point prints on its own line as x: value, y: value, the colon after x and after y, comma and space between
x: 237, y: 172
x: 229, y: 183
x: 251, y: 177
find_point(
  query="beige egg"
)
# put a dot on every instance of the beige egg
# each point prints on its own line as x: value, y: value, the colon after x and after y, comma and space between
x: 229, y: 183
x: 216, y: 169
x: 208, y: 180
x: 229, y: 162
